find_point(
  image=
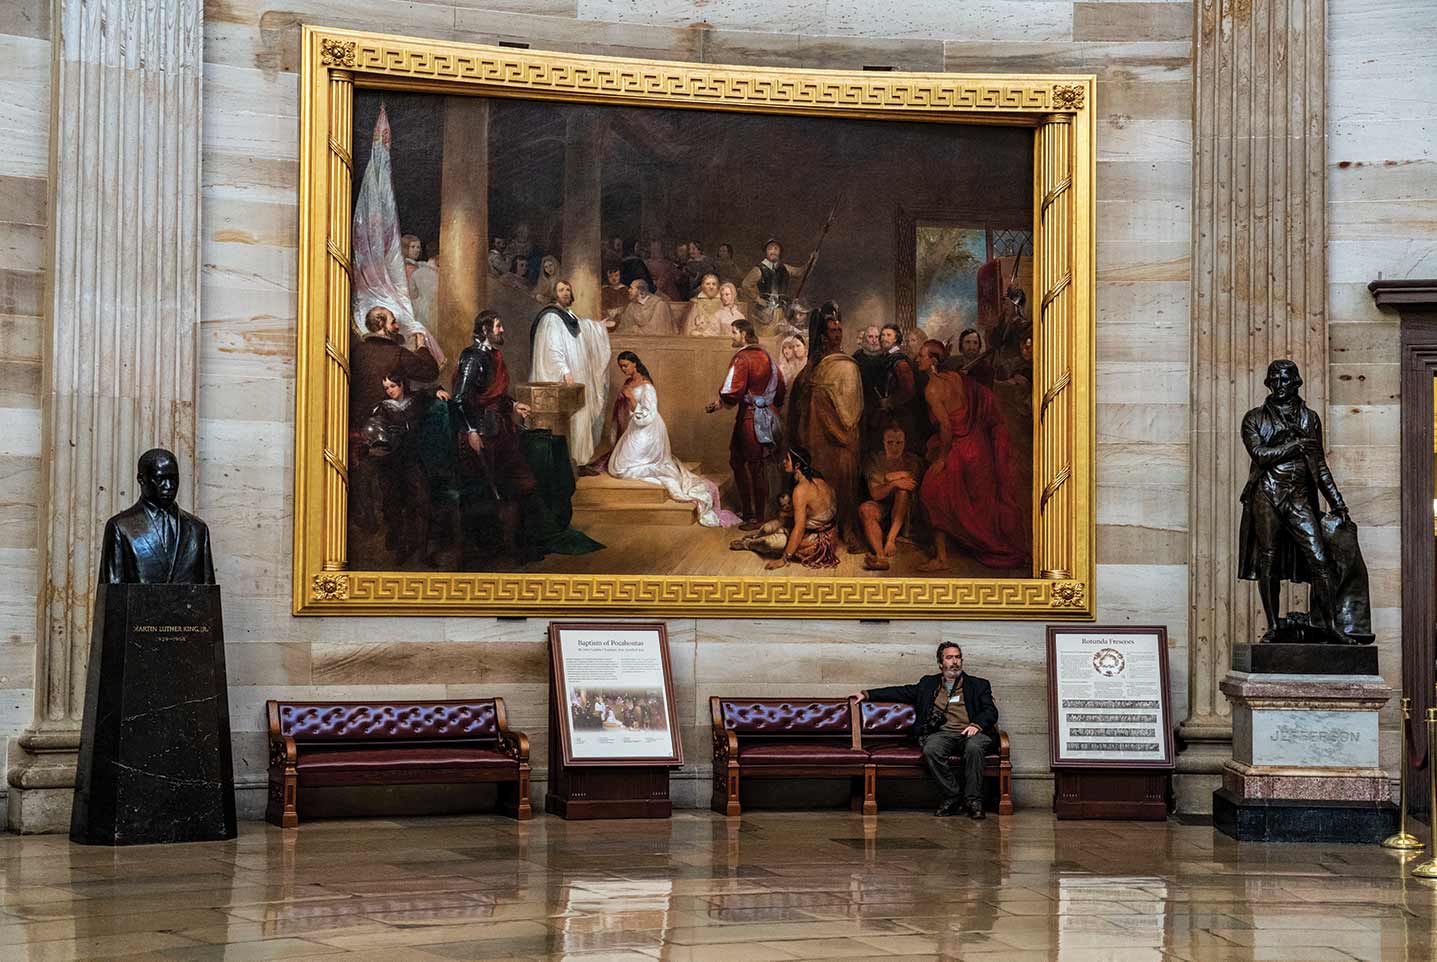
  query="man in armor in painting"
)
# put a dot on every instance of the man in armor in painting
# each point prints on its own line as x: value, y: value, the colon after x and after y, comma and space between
x: 489, y: 449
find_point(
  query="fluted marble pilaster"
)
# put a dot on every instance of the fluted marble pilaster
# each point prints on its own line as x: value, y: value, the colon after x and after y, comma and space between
x: 1259, y: 289
x: 120, y: 358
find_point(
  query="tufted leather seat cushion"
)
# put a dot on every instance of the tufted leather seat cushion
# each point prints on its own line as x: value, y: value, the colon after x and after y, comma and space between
x: 911, y: 754
x: 778, y: 717
x: 409, y: 758
x: 799, y: 753
x: 319, y: 721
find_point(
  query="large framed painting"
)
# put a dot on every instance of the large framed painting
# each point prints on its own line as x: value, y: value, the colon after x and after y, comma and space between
x: 639, y: 338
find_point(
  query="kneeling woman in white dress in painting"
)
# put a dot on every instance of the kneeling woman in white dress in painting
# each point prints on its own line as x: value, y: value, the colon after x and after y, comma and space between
x: 642, y: 452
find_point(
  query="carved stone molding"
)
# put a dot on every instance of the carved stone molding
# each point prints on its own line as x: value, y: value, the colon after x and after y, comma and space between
x: 1259, y: 288
x: 120, y: 359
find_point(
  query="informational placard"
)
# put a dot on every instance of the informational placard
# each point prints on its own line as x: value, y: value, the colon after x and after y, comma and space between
x: 614, y: 695
x: 1108, y: 697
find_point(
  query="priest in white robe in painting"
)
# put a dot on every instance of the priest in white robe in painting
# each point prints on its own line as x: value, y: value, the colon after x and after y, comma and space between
x: 574, y: 350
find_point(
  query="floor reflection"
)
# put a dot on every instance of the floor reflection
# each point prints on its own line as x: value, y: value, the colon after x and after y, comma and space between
x: 769, y: 886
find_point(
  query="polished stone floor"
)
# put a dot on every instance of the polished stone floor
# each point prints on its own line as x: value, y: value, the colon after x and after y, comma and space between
x: 772, y: 885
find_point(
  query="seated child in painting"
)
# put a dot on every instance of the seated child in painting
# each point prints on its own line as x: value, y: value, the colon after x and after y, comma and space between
x: 805, y: 530
x: 892, y: 476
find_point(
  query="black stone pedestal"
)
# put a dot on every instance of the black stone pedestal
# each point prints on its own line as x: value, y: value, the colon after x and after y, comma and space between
x: 1273, y: 659
x: 155, y: 761
x: 1283, y: 820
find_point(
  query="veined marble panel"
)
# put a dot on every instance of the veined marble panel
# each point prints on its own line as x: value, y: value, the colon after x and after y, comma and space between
x: 1130, y: 310
x: 1306, y: 739
x: 1143, y: 463
x: 575, y: 36
x: 1137, y: 382
x: 777, y: 16
x: 1147, y: 505
x: 1131, y: 261
x: 766, y: 49
x: 1136, y: 424
x: 1132, y: 21
x: 1358, y: 339
x: 25, y: 106
x: 1377, y: 382
x: 1164, y: 62
x: 981, y: 20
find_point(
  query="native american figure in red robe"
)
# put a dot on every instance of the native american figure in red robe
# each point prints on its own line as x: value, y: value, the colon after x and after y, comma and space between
x: 969, y: 491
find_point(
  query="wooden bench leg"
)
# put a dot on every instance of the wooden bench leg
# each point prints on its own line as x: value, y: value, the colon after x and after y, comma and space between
x: 514, y: 797
x: 867, y: 802
x: 1005, y: 790
x: 725, y: 796
x: 282, y: 809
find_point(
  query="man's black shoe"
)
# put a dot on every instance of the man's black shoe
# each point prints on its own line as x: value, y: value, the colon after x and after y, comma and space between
x: 975, y: 810
x: 951, y: 807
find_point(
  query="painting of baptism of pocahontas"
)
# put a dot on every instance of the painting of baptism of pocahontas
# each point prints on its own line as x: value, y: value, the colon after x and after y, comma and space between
x: 642, y: 341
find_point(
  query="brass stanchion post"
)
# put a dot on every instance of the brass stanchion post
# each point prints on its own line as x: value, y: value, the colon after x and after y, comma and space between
x: 1403, y: 840
x: 1428, y: 868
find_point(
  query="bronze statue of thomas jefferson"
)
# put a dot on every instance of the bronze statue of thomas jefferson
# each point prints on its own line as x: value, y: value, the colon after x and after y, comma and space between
x: 153, y: 542
x: 1284, y: 534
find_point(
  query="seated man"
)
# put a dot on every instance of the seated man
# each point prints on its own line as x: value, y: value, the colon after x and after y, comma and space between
x: 892, y: 477
x: 956, y: 716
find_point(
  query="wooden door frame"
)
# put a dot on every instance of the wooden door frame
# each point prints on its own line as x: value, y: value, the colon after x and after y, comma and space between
x: 1416, y: 302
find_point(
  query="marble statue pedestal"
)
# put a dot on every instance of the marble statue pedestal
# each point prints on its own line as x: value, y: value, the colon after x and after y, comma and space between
x: 155, y: 757
x: 1304, y: 764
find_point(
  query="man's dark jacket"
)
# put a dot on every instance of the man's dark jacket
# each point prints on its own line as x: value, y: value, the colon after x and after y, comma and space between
x: 132, y: 552
x: 977, y: 698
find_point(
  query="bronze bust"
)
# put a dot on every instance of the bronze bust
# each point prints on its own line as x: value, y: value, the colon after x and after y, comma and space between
x: 153, y: 542
x: 1285, y: 536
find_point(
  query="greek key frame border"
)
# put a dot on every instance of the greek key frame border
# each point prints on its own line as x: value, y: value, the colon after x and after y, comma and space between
x: 333, y: 61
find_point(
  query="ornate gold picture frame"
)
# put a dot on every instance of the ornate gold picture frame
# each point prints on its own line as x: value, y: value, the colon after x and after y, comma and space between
x: 1058, y: 108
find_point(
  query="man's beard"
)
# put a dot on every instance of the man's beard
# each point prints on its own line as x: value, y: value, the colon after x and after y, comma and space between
x: 871, y: 351
x: 495, y: 340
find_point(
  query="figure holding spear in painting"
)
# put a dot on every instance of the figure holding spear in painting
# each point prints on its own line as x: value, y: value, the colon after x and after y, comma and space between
x: 771, y: 286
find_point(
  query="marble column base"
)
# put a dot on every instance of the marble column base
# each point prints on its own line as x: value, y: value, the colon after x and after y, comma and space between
x: 1204, y: 746
x: 40, y: 811
x: 41, y: 778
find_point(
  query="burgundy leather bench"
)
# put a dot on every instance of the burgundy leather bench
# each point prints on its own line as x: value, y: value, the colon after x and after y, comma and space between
x: 321, y: 743
x: 781, y: 738
x: 885, y: 733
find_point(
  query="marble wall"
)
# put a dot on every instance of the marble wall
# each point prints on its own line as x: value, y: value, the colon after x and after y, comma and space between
x: 1381, y: 221
x: 1141, y: 53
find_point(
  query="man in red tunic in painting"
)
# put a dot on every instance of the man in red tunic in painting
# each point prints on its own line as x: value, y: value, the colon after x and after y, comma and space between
x: 755, y: 386
x: 969, y: 489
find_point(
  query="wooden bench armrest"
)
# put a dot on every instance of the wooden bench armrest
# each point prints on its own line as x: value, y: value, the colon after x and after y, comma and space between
x: 1004, y: 751
x: 283, y: 753
x: 515, y: 744
x: 725, y: 746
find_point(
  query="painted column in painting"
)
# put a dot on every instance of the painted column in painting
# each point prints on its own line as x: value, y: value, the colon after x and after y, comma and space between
x: 463, y: 220
x: 583, y: 149
x: 120, y: 359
